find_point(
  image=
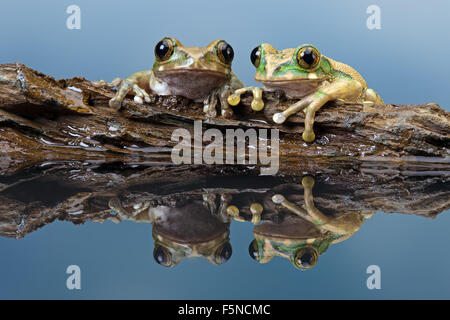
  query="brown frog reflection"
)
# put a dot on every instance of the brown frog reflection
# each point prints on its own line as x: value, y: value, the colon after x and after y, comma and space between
x: 302, y: 235
x: 194, y: 229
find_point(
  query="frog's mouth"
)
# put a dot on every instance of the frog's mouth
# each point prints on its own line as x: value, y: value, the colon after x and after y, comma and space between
x: 192, y: 73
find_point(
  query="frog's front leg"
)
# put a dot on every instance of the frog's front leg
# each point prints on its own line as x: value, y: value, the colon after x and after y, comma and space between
x: 134, y: 83
x: 257, y: 102
x: 309, y: 212
x: 221, y: 95
x: 346, y: 89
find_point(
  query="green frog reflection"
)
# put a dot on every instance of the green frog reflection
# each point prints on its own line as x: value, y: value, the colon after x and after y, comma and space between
x: 302, y: 235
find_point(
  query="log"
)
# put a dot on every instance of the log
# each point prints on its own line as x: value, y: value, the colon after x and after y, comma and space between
x: 43, y: 119
x: 78, y: 192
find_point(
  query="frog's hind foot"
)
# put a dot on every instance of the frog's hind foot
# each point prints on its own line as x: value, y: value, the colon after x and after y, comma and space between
x: 257, y: 103
x: 370, y: 96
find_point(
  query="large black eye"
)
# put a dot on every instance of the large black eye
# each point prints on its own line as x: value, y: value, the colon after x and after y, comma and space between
x: 164, y: 49
x: 253, y: 250
x: 255, y: 56
x: 223, y: 254
x: 308, y: 57
x: 305, y: 258
x: 162, y: 256
x: 225, y: 52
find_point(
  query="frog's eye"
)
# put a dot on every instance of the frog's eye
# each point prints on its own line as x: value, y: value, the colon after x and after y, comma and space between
x: 162, y: 256
x: 223, y: 253
x: 255, y: 56
x: 253, y: 250
x: 164, y: 49
x: 305, y: 258
x: 225, y: 52
x: 308, y: 57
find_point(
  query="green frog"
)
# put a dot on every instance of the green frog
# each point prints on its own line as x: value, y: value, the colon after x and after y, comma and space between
x: 304, y: 236
x: 200, y: 74
x: 304, y: 73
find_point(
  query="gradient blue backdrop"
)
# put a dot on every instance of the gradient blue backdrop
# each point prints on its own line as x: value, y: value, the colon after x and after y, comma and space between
x: 405, y: 61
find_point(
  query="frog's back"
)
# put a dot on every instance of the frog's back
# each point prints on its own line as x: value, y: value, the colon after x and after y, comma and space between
x: 342, y: 67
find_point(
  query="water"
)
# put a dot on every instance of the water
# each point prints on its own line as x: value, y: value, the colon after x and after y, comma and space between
x: 409, y: 243
x: 114, y: 245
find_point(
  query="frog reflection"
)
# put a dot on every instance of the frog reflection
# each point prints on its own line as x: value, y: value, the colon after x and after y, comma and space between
x: 193, y: 229
x: 302, y: 235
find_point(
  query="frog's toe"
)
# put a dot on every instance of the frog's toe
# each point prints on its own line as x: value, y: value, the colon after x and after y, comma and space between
x: 116, y: 82
x: 227, y: 113
x: 234, y: 99
x: 138, y: 99
x: 308, y: 136
x: 279, y: 118
x: 115, y: 103
x: 308, y: 182
x: 257, y: 104
x: 209, y: 111
x: 278, y: 199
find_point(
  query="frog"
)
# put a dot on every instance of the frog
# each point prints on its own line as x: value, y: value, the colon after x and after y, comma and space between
x: 190, y: 229
x: 304, y: 73
x: 201, y: 74
x: 305, y: 235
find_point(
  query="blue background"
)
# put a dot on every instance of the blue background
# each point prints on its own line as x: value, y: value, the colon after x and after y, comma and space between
x: 405, y: 62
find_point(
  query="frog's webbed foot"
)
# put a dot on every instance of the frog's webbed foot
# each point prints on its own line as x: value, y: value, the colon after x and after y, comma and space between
x: 257, y: 102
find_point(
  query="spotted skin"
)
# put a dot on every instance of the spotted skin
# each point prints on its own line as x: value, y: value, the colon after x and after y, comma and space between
x: 304, y: 73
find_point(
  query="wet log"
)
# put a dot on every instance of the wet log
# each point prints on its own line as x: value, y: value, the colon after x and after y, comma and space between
x: 78, y: 192
x: 43, y: 119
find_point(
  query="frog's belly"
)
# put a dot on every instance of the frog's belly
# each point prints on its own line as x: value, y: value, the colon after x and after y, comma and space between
x: 194, y: 85
x: 293, y: 89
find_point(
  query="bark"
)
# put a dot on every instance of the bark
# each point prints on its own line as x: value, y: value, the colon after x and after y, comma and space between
x: 43, y: 119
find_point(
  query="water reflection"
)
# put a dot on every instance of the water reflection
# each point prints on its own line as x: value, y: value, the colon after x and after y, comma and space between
x: 305, y: 234
x: 186, y: 230
x: 190, y: 209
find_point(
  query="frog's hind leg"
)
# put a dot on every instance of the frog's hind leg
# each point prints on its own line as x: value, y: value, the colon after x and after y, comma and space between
x: 133, y: 83
x: 372, y: 98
